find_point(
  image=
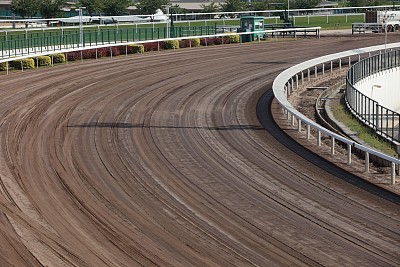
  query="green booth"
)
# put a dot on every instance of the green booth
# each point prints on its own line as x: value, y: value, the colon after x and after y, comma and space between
x: 251, y: 24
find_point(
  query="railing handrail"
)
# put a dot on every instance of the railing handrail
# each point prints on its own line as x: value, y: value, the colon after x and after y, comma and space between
x: 280, y: 92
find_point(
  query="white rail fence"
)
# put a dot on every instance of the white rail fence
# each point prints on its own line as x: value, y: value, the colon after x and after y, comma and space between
x: 14, y: 54
x: 289, y: 81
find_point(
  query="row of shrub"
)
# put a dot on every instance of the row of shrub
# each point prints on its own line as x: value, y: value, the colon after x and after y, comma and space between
x: 31, y: 63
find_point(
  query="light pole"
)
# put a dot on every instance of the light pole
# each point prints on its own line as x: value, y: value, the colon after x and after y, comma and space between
x: 81, y: 25
x: 167, y: 9
x: 386, y: 28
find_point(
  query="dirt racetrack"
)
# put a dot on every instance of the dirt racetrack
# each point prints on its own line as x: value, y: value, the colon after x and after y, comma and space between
x: 160, y: 160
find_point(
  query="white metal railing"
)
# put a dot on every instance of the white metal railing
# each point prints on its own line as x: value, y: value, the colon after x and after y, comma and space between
x: 11, y: 55
x: 289, y: 80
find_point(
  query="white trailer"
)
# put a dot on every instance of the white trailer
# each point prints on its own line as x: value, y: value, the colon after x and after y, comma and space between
x: 388, y: 18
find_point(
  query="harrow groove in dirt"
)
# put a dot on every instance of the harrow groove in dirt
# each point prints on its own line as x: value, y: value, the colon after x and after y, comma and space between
x: 161, y: 159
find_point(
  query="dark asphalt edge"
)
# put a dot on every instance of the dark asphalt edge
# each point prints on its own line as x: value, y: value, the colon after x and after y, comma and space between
x: 264, y: 115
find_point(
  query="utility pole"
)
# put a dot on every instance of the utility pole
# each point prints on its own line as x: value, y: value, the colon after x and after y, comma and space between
x: 81, y: 41
x: 167, y: 10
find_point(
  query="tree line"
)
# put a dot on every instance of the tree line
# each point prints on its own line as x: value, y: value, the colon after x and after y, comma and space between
x: 53, y: 8
x: 260, y: 5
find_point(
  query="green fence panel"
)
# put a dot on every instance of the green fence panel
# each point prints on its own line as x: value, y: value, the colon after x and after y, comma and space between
x: 52, y: 39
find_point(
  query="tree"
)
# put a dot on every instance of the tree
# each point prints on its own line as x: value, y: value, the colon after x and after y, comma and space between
x: 232, y: 6
x: 149, y: 7
x: 260, y: 5
x: 303, y: 4
x: 365, y: 2
x: 176, y: 9
x: 211, y: 8
x: 51, y: 8
x: 24, y: 8
x: 115, y: 7
x: 92, y: 6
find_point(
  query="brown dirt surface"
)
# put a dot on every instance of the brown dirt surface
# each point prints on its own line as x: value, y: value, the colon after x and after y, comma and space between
x: 162, y: 159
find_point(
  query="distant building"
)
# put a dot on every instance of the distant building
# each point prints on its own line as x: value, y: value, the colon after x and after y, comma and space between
x: 5, y: 8
x: 327, y: 4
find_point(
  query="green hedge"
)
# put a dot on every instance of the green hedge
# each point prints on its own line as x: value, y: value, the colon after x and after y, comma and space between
x: 195, y: 42
x: 171, y: 44
x: 58, y: 58
x: 234, y: 38
x: 3, y: 66
x: 43, y: 61
x: 137, y: 48
x: 27, y: 63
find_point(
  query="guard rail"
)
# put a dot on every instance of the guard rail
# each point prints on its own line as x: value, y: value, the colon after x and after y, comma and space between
x: 290, y: 79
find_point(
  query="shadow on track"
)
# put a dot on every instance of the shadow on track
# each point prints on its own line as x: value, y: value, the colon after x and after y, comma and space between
x: 129, y: 125
x: 265, y: 117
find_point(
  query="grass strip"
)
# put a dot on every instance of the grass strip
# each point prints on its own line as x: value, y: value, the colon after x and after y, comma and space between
x: 366, y: 134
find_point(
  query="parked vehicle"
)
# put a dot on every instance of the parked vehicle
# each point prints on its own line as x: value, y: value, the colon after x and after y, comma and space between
x: 389, y: 19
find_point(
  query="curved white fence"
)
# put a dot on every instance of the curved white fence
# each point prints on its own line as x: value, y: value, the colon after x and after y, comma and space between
x: 289, y: 80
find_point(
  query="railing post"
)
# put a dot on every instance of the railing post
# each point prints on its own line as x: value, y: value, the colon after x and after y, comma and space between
x: 308, y: 135
x: 319, y: 138
x: 292, y: 119
x: 377, y: 117
x: 315, y: 71
x: 366, y: 161
x: 299, y: 125
x: 323, y: 68
x: 393, y: 176
x: 332, y: 145
x: 349, y: 154
x: 331, y: 66
x: 287, y: 91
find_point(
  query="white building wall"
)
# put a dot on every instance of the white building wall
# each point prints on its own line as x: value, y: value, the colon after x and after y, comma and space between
x: 383, y: 87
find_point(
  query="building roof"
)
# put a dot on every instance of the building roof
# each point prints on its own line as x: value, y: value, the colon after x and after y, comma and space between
x: 327, y: 4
